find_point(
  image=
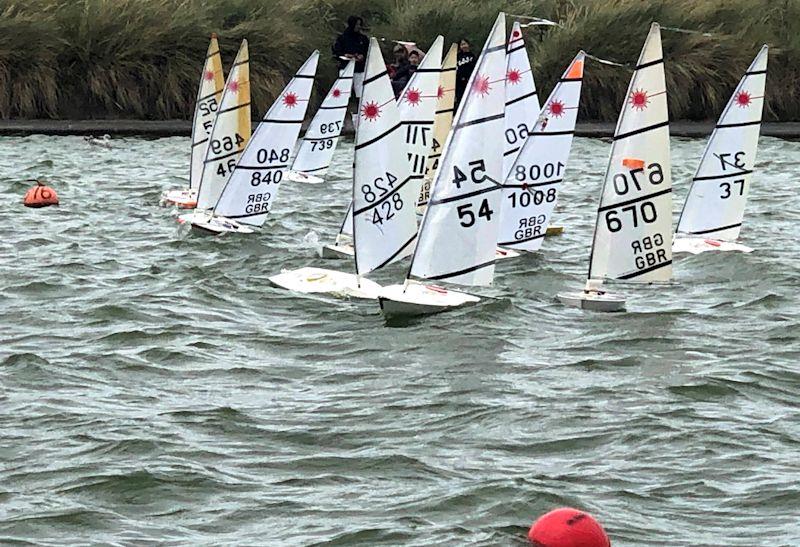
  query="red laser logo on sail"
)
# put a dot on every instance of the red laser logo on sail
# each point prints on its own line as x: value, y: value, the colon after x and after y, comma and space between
x: 413, y: 96
x: 556, y: 108
x: 208, y: 75
x: 440, y: 92
x: 638, y: 99
x: 371, y: 111
x: 336, y: 92
x: 743, y: 99
x: 515, y: 35
x: 513, y: 76
x: 234, y: 86
x: 481, y: 85
x: 290, y: 100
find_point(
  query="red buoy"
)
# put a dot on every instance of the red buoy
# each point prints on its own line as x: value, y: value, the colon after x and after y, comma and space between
x: 40, y: 196
x: 567, y: 527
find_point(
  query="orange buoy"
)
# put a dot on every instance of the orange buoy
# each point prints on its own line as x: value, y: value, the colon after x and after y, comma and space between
x: 567, y: 527
x: 40, y: 196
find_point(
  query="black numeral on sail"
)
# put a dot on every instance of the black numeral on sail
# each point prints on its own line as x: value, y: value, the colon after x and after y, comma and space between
x: 383, y: 184
x: 208, y: 106
x: 725, y: 160
x: 333, y: 127
x: 538, y: 197
x: 387, y: 208
x: 467, y: 216
x: 321, y: 145
x: 518, y: 134
x: 624, y: 183
x: 726, y: 186
x: 268, y: 177
x: 226, y: 144
x: 265, y: 155
x: 534, y: 172
x: 477, y: 173
x: 645, y: 210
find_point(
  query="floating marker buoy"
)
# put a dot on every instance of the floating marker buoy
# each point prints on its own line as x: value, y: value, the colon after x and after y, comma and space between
x: 40, y: 196
x: 567, y: 527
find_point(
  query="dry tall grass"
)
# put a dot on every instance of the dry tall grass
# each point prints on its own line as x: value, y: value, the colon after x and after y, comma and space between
x: 140, y: 58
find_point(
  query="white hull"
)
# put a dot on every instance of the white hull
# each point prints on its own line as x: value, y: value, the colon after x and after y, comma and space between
x: 418, y: 299
x: 592, y: 301
x: 218, y: 225
x: 298, y: 176
x: 697, y: 245
x: 182, y: 199
x: 319, y: 280
x: 343, y: 251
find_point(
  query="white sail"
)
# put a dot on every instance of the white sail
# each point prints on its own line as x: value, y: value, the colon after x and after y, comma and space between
x: 531, y: 187
x: 253, y: 186
x: 445, y: 108
x: 458, y: 237
x: 522, y: 101
x: 715, y: 205
x: 384, y: 189
x: 319, y: 143
x: 209, y: 93
x: 417, y: 106
x: 633, y: 233
x: 346, y: 229
x: 230, y: 133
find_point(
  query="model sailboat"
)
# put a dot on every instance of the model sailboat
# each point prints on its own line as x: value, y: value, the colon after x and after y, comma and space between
x: 384, y: 192
x: 714, y: 209
x: 209, y: 94
x: 417, y: 110
x: 531, y: 187
x: 457, y: 240
x: 319, y: 143
x: 633, y: 232
x: 229, y: 135
x: 248, y: 196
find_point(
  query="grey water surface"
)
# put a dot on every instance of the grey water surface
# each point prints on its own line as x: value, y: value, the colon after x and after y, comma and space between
x: 154, y: 389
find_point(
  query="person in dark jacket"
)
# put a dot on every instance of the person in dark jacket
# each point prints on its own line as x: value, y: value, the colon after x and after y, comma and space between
x: 353, y: 44
x: 400, y: 71
x: 466, y: 63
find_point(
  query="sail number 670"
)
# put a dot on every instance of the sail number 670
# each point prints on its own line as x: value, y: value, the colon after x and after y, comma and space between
x: 645, y: 210
x: 623, y: 182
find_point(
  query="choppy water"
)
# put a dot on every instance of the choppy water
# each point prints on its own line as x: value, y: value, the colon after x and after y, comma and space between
x: 155, y: 389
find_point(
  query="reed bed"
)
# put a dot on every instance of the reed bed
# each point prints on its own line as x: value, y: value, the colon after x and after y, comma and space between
x: 141, y: 58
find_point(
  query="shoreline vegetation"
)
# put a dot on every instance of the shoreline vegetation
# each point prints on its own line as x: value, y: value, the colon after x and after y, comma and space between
x: 131, y: 60
x: 183, y: 128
